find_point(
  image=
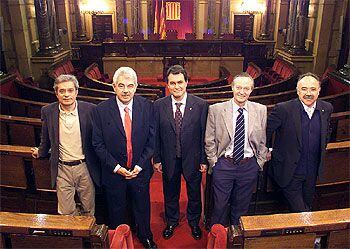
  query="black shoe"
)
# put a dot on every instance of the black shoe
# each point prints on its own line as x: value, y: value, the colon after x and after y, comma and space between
x: 169, y: 231
x: 196, y: 232
x: 149, y: 244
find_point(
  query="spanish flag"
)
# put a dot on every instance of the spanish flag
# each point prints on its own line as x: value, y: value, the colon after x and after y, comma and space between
x: 156, y: 15
x: 162, y: 28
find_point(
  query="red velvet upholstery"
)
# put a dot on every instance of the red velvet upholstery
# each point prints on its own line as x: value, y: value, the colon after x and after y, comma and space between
x: 217, y: 237
x: 121, y: 238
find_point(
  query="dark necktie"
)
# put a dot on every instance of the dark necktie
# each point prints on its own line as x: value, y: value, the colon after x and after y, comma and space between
x: 238, y: 147
x: 127, y: 128
x: 178, y: 124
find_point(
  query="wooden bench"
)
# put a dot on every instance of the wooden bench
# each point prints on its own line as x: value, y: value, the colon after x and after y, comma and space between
x: 293, y: 230
x: 22, y: 230
x: 37, y: 94
x: 20, y: 130
x: 20, y: 107
x: 62, y: 67
x: 280, y: 71
x: 95, y: 80
x: 268, y: 99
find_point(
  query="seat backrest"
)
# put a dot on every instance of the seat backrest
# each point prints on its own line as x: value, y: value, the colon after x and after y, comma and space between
x: 217, y: 237
x: 137, y: 37
x: 228, y: 36
x: 121, y: 237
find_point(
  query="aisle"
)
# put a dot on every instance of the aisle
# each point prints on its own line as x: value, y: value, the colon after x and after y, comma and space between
x: 182, y: 237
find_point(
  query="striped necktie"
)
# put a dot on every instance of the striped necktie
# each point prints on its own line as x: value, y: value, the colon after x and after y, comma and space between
x: 238, y: 149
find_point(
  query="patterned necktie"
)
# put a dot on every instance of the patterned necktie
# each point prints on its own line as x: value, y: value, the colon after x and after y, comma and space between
x: 238, y: 149
x: 178, y: 124
x: 127, y: 128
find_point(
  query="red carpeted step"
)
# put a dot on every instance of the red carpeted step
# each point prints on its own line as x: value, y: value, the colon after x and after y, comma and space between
x: 182, y: 237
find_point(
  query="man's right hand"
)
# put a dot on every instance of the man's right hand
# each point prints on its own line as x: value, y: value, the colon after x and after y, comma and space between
x: 268, y: 156
x: 124, y: 172
x: 35, y: 152
x: 158, y: 167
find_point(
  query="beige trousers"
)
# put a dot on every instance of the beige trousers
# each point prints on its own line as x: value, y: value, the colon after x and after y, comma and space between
x: 71, y: 179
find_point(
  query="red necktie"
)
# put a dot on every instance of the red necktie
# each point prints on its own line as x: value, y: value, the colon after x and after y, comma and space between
x: 127, y: 128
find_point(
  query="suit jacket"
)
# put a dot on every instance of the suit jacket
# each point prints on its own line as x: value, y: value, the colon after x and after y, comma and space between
x: 285, y: 122
x: 220, y: 131
x: 50, y: 139
x: 109, y: 139
x: 192, y: 135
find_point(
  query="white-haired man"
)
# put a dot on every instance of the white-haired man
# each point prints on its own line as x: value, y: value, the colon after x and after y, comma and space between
x: 123, y: 138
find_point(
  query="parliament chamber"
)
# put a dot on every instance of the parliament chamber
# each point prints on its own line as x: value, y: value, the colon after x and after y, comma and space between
x: 274, y: 41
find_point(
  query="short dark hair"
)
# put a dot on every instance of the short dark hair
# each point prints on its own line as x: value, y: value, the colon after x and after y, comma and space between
x: 176, y: 69
x: 311, y: 75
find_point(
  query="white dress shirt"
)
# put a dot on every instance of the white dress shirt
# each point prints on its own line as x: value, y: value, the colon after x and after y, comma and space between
x: 121, y: 107
x: 309, y: 110
x: 182, y: 107
x: 248, y: 152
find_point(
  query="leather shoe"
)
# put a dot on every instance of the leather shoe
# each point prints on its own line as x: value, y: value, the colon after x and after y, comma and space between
x: 196, y: 232
x: 169, y: 231
x: 149, y: 244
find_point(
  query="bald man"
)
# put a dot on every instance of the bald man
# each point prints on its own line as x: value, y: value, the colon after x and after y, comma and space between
x: 301, y: 128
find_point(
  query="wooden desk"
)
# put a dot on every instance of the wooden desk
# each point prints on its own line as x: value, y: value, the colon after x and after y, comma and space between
x: 296, y: 230
x: 22, y: 230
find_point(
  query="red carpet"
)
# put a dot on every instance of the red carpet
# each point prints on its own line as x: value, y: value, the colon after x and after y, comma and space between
x: 182, y: 237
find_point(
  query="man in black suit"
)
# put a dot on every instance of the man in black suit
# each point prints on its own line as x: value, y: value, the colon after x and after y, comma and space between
x: 301, y: 128
x: 123, y: 138
x: 67, y: 132
x: 180, y: 122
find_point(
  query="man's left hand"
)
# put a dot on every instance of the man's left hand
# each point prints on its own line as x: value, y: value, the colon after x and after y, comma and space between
x: 203, y: 168
x: 134, y: 173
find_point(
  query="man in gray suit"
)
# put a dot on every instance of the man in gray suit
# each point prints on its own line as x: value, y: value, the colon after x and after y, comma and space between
x: 235, y: 147
x: 67, y: 133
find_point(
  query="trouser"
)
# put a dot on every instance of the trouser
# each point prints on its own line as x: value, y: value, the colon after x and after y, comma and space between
x: 172, y: 189
x: 300, y: 192
x: 232, y: 184
x: 71, y: 179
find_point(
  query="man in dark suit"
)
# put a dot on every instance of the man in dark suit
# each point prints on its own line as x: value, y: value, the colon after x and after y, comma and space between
x: 180, y: 122
x: 123, y: 138
x: 67, y: 132
x: 301, y: 128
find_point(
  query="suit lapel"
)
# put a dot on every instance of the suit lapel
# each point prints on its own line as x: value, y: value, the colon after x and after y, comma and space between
x: 323, y: 117
x: 188, y: 112
x: 82, y: 123
x: 227, y: 116
x: 168, y: 110
x: 296, y: 117
x: 251, y: 118
x: 116, y: 116
x: 55, y: 120
x: 136, y: 116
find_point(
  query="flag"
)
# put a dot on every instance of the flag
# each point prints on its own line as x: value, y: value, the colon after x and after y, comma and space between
x: 156, y: 15
x: 162, y: 28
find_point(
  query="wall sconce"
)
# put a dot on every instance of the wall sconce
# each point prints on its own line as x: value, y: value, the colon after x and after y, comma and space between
x: 251, y: 7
